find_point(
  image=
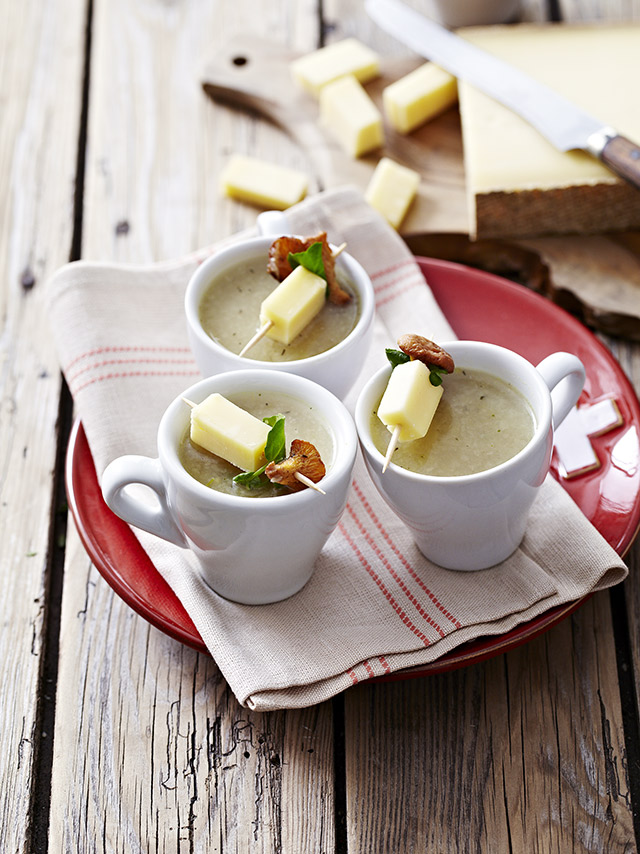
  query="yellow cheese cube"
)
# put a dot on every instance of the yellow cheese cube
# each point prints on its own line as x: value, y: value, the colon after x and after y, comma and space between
x: 266, y: 184
x: 293, y: 304
x: 351, y: 116
x: 419, y: 96
x: 325, y: 65
x: 391, y: 190
x: 224, y: 429
x: 409, y: 401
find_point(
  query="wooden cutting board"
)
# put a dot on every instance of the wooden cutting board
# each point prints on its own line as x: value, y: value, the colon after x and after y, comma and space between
x: 596, y: 277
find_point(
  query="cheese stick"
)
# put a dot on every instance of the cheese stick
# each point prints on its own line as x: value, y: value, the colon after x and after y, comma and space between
x: 224, y: 429
x: 293, y: 304
x: 408, y: 404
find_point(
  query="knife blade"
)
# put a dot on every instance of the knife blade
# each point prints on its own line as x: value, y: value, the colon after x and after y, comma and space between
x: 564, y: 124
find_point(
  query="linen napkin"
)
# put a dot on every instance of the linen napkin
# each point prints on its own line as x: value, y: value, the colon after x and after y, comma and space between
x: 374, y: 605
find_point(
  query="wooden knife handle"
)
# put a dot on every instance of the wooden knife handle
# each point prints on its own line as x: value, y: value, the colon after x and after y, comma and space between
x: 623, y: 157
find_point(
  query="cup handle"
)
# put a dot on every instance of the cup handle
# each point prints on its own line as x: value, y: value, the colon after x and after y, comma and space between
x: 131, y: 469
x: 274, y: 223
x: 564, y: 375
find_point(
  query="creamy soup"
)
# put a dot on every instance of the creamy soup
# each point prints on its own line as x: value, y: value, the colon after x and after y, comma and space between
x: 481, y: 421
x: 230, y: 309
x: 302, y: 421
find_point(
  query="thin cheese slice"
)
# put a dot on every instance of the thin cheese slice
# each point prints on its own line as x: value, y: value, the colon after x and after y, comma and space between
x: 409, y: 401
x: 418, y: 97
x: 349, y: 56
x: 351, y: 116
x: 293, y: 304
x: 391, y: 190
x: 224, y: 429
x: 261, y: 183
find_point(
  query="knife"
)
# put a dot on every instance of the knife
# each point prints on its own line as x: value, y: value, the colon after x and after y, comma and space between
x: 564, y: 124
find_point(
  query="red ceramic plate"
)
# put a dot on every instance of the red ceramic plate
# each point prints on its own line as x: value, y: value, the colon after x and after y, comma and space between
x: 479, y: 306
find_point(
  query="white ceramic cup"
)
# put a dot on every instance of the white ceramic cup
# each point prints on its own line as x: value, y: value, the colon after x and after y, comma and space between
x: 249, y: 550
x: 474, y: 521
x: 336, y: 369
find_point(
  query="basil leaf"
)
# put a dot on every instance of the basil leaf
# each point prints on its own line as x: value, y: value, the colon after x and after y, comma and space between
x: 396, y: 357
x: 310, y: 259
x: 435, y: 375
x: 250, y: 479
x: 274, y: 451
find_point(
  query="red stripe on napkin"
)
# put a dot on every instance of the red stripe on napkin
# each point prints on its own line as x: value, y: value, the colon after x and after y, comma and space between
x: 401, y: 584
x: 383, y: 589
x: 402, y: 558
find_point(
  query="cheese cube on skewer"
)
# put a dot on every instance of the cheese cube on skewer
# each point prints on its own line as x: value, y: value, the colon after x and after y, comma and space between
x: 409, y: 401
x: 224, y: 429
x: 293, y: 304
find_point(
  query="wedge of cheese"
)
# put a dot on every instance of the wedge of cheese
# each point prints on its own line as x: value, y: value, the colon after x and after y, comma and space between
x: 224, y: 429
x: 349, y: 56
x: 261, y: 183
x: 518, y: 184
x: 409, y: 401
x: 293, y: 304
x: 391, y: 190
x: 351, y: 116
x: 418, y: 97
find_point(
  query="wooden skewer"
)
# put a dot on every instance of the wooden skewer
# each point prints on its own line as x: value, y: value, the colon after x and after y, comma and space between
x: 267, y: 326
x: 189, y: 402
x: 308, y: 482
x: 391, y: 447
x: 257, y: 337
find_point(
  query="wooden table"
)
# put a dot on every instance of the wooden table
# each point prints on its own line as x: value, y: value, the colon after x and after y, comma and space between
x: 115, y: 738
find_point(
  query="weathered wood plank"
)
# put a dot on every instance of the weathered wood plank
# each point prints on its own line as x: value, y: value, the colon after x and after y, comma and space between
x: 521, y: 753
x: 42, y: 50
x: 152, y: 750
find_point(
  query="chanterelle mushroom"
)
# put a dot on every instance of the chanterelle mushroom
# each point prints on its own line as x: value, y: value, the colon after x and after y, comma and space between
x: 426, y: 351
x: 303, y: 459
x: 279, y: 267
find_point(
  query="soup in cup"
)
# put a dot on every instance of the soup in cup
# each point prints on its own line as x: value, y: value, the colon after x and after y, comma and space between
x: 222, y: 306
x: 466, y: 488
x: 251, y: 547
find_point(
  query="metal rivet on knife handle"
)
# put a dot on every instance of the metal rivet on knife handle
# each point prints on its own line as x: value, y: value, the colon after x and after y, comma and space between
x: 621, y: 155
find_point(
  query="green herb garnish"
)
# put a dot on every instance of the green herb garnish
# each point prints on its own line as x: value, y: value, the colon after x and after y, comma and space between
x: 436, y: 374
x: 310, y: 259
x: 397, y: 357
x: 274, y: 451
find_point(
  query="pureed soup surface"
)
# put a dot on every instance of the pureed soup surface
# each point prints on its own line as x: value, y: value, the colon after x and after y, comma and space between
x: 481, y: 421
x: 302, y: 421
x: 230, y: 313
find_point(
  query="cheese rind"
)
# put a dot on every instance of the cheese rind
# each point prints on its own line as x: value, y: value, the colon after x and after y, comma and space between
x: 391, y: 190
x: 409, y: 401
x: 349, y: 56
x: 351, y: 116
x: 293, y: 304
x: 265, y: 184
x: 418, y: 97
x: 224, y: 429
